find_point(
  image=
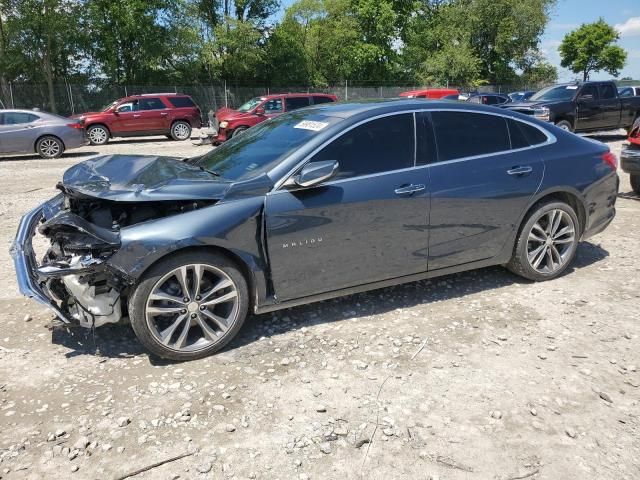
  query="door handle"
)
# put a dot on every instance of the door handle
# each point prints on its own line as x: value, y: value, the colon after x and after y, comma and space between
x: 164, y: 114
x: 136, y: 115
x: 410, y: 189
x: 520, y: 170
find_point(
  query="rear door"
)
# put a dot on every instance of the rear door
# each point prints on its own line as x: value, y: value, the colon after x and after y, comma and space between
x: 18, y: 132
x: 610, y: 105
x: 483, y: 179
x: 588, y: 111
x: 367, y: 224
x: 153, y: 115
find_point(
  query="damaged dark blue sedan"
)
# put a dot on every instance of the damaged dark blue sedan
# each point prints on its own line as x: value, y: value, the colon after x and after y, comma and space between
x: 317, y: 203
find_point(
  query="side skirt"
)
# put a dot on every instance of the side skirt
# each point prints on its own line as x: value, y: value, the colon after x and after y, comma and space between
x: 376, y: 285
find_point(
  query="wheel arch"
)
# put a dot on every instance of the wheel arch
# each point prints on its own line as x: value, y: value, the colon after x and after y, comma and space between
x: 99, y: 124
x: 180, y: 119
x: 35, y: 144
x: 568, y: 195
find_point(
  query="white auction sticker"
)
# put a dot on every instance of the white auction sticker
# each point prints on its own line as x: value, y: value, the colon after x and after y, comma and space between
x: 311, y: 125
x: 572, y: 87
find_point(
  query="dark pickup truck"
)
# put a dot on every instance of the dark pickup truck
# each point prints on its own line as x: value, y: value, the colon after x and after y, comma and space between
x: 582, y: 107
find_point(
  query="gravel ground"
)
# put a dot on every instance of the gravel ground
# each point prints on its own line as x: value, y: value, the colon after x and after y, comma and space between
x: 478, y: 375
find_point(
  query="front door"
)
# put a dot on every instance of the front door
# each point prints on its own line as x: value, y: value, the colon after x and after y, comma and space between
x: 484, y: 178
x: 588, y: 111
x: 125, y: 117
x: 367, y: 224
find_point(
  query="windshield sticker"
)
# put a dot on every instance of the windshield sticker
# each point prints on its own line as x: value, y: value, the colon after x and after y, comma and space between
x: 311, y: 125
x: 572, y: 87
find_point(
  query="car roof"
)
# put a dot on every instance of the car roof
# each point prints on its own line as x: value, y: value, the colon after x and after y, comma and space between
x: 274, y: 95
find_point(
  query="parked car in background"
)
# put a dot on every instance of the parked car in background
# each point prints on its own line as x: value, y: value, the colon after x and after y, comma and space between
x: 48, y: 135
x: 227, y: 122
x: 629, y: 91
x: 521, y: 96
x: 430, y: 93
x: 630, y: 157
x: 170, y: 114
x: 455, y: 96
x: 582, y: 107
x: 317, y: 203
x: 494, y: 99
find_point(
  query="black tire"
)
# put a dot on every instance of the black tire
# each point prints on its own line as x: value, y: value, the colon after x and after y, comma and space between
x: 565, y: 125
x: 239, y: 131
x: 519, y: 263
x: 181, y: 130
x: 49, y: 147
x: 635, y: 183
x: 140, y: 297
x: 98, y: 134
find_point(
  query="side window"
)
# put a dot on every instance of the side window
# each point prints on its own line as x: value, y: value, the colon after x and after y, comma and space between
x: 318, y: 100
x: 625, y: 92
x: 477, y: 99
x: 151, y: 104
x: 492, y: 100
x: 590, y: 90
x: 367, y: 149
x: 18, y: 118
x: 125, y: 107
x: 463, y: 134
x: 181, y: 102
x: 273, y: 106
x: 523, y: 135
x: 293, y: 103
x: 607, y: 91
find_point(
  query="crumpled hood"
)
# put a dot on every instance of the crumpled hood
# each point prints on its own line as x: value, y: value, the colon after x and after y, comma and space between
x: 136, y: 178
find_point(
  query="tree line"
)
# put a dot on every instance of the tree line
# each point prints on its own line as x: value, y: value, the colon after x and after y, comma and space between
x: 314, y: 43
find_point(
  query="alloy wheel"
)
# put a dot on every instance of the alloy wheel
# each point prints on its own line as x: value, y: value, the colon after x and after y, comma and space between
x: 181, y: 131
x: 550, y: 241
x: 49, y: 147
x: 192, y: 307
x: 98, y: 135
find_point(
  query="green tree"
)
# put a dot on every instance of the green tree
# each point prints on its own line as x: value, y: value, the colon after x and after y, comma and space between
x: 592, y: 48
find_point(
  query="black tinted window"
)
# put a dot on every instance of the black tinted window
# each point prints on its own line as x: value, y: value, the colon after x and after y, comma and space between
x: 150, y: 104
x: 534, y: 135
x: 462, y: 134
x: 319, y: 99
x: 518, y: 139
x: 376, y: 146
x: 590, y: 90
x: 607, y: 91
x: 17, y: 118
x: 294, y: 103
x: 180, y: 102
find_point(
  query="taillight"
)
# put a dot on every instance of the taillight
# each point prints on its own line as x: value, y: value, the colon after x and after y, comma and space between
x: 610, y: 159
x: 77, y: 126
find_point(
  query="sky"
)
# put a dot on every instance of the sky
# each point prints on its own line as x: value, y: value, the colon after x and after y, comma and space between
x: 570, y: 14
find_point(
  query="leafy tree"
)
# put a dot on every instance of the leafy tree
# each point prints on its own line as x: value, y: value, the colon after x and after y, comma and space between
x: 592, y: 48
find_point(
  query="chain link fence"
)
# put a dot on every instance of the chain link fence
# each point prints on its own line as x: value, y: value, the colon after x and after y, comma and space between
x: 73, y: 99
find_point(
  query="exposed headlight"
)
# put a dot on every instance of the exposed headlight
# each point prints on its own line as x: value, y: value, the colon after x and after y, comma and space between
x: 224, y: 124
x: 541, y: 113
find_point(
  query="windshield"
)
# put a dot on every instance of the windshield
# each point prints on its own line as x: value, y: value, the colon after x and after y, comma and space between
x: 562, y: 92
x: 251, y: 104
x: 262, y: 147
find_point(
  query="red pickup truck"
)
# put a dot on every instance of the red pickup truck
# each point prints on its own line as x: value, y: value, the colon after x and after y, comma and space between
x: 227, y: 122
x: 170, y: 114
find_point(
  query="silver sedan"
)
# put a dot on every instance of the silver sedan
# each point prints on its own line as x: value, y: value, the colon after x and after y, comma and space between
x: 49, y: 135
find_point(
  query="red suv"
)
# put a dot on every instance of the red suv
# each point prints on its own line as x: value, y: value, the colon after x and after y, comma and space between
x: 170, y: 114
x: 227, y: 122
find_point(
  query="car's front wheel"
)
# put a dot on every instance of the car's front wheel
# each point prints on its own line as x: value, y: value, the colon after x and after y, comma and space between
x: 98, y: 135
x: 189, y: 305
x: 565, y: 125
x: 547, y: 242
x: 635, y: 183
x: 239, y: 131
x: 181, y: 131
x: 49, y: 147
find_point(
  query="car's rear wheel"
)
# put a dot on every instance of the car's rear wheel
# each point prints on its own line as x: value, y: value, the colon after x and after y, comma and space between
x: 181, y: 130
x: 49, y: 147
x: 635, y: 183
x: 547, y: 242
x: 98, y: 135
x: 565, y: 125
x: 189, y: 305
x: 239, y: 131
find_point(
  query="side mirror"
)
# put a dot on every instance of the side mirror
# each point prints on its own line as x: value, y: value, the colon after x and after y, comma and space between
x: 586, y: 98
x: 314, y: 173
x: 259, y: 111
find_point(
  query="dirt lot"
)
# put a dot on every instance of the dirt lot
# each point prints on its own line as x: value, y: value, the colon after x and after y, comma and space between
x: 516, y: 380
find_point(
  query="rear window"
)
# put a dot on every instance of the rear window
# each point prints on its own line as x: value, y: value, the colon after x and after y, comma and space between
x: 320, y: 99
x: 294, y: 103
x: 181, y: 102
x: 464, y: 134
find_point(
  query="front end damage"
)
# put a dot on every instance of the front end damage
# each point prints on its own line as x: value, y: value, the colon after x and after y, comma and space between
x: 74, y: 278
